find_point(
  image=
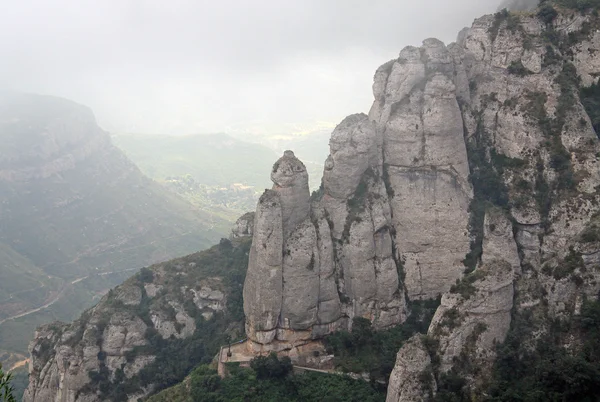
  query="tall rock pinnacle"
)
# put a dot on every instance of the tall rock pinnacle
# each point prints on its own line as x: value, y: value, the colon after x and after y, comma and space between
x: 291, y: 183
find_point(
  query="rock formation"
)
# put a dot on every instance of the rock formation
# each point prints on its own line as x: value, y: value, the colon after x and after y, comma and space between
x: 475, y: 178
x: 535, y: 186
x: 472, y: 178
x: 114, y: 349
x: 315, y: 264
x: 244, y: 226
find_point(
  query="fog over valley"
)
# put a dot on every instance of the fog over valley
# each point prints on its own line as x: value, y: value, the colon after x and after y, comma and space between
x: 236, y: 66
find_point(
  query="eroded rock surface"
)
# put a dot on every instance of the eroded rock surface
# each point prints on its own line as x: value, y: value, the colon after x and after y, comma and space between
x: 105, y: 353
x: 535, y: 187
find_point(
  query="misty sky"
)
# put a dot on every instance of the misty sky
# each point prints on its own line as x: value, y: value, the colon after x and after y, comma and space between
x: 187, y: 66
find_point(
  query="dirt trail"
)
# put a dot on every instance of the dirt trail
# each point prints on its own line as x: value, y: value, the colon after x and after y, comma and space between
x: 18, y: 364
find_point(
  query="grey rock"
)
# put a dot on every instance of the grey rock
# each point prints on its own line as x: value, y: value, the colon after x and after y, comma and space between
x: 263, y: 288
x: 406, y: 381
x: 244, y: 226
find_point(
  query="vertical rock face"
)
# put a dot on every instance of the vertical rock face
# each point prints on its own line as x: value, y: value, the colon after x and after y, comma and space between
x: 335, y: 259
x: 264, y: 280
x: 290, y: 271
x: 535, y: 185
x: 425, y: 156
x: 407, y: 381
x: 291, y: 184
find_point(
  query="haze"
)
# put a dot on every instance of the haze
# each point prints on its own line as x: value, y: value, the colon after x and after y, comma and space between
x: 185, y: 66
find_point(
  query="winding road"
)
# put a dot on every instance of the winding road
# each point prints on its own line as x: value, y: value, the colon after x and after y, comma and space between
x: 60, y: 294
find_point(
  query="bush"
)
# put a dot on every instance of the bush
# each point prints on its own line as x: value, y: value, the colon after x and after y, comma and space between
x: 591, y: 234
x: 590, y: 97
x: 548, y: 371
x: 579, y: 5
x: 271, y: 367
x: 465, y: 287
x: 517, y: 68
x: 6, y: 389
x: 146, y: 275
x: 547, y: 14
x: 245, y: 385
x: 374, y: 352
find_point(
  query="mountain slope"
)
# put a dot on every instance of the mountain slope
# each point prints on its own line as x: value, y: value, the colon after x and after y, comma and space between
x: 146, y: 334
x: 75, y: 213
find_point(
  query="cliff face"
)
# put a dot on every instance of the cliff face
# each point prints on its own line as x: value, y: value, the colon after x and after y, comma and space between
x: 316, y: 263
x: 533, y: 156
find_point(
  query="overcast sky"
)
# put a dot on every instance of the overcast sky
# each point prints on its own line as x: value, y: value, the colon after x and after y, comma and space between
x: 185, y: 66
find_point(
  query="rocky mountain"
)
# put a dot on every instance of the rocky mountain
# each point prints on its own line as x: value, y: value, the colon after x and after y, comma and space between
x: 76, y: 216
x: 473, y: 179
x: 147, y: 333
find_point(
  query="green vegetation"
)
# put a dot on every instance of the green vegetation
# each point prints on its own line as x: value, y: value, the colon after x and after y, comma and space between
x: 565, y: 267
x: 6, y: 389
x: 547, y: 13
x: 451, y: 319
x: 267, y: 380
x: 548, y: 371
x: 465, y: 287
x: 590, y: 97
x: 175, y: 358
x: 356, y: 205
x: 367, y: 351
x: 271, y: 366
x: 517, y: 68
x: 513, y: 23
x: 19, y: 381
x: 489, y: 188
x: 579, y: 5
x: 591, y: 234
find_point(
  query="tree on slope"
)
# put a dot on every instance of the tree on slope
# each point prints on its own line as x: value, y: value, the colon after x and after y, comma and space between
x: 6, y: 390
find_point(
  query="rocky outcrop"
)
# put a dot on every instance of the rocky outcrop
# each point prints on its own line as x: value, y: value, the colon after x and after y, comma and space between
x: 290, y: 262
x: 114, y: 350
x: 533, y: 158
x: 316, y: 264
x: 474, y: 316
x: 473, y: 178
x: 416, y: 110
x: 244, y: 226
x: 412, y: 377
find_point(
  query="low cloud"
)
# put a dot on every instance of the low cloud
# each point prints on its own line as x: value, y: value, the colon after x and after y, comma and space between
x: 202, y: 66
